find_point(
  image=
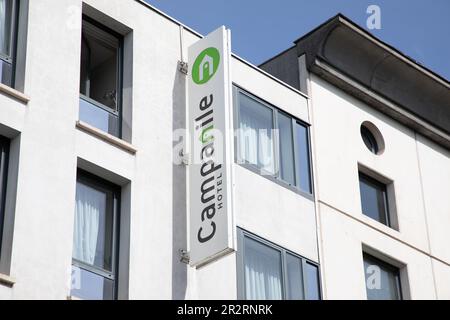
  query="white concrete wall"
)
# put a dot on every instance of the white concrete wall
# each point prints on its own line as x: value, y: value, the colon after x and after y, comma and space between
x: 420, y: 174
x: 43, y: 224
x: 51, y: 147
x: 215, y: 281
x: 262, y: 206
x: 275, y: 213
x: 435, y: 172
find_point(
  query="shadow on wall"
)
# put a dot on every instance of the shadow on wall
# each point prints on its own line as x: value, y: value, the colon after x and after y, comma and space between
x: 179, y: 179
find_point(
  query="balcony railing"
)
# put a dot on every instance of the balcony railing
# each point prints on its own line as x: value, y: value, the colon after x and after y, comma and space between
x: 6, y: 71
x: 99, y: 116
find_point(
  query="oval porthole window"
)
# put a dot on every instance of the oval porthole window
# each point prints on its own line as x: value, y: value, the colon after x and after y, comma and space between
x: 372, y: 138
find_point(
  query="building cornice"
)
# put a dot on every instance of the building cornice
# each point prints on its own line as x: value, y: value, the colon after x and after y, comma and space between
x: 380, y: 103
x: 355, y: 61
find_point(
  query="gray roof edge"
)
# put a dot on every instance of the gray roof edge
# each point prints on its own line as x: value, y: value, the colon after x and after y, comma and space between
x: 380, y: 103
x: 342, y: 20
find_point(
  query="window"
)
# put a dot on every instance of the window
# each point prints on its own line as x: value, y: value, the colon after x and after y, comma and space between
x: 4, y: 157
x: 374, y: 201
x: 256, y: 139
x: 382, y: 279
x: 95, y: 240
x: 287, y: 161
x: 302, y: 159
x: 369, y: 139
x: 269, y: 272
x: 263, y: 275
x: 294, y: 273
x: 8, y: 27
x: 272, y: 142
x: 312, y: 281
x: 101, y: 78
x: 372, y: 138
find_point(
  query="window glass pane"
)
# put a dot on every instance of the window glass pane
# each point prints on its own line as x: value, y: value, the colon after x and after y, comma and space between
x: 312, y: 282
x: 294, y: 278
x: 369, y: 139
x: 98, y: 117
x: 90, y: 286
x: 286, y: 149
x: 263, y: 277
x: 6, y: 11
x: 92, y: 241
x: 6, y: 36
x: 4, y: 158
x: 6, y: 73
x: 303, y: 169
x: 373, y: 199
x: 256, y: 135
x: 382, y: 280
x: 99, y: 66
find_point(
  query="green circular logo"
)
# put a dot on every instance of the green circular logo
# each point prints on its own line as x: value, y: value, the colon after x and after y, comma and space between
x: 206, y: 65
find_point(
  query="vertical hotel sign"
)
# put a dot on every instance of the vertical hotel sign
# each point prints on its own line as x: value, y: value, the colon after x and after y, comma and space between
x: 211, y: 223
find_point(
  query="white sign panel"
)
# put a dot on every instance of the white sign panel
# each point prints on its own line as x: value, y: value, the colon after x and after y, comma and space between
x: 210, y: 171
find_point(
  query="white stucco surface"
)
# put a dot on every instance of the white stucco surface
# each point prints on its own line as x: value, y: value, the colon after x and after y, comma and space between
x: 419, y: 171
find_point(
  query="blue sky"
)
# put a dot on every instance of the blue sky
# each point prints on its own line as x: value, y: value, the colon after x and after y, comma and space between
x: 262, y: 28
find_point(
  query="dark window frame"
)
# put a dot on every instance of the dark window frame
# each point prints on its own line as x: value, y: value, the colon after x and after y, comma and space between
x: 395, y: 271
x: 276, y: 177
x: 240, y: 256
x: 98, y: 183
x: 380, y: 186
x: 4, y: 165
x: 119, y: 80
x: 11, y: 59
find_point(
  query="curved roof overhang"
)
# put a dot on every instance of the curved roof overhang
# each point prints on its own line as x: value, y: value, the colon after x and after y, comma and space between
x: 371, y: 70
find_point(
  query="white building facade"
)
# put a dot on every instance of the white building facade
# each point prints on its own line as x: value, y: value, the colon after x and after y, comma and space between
x: 334, y: 195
